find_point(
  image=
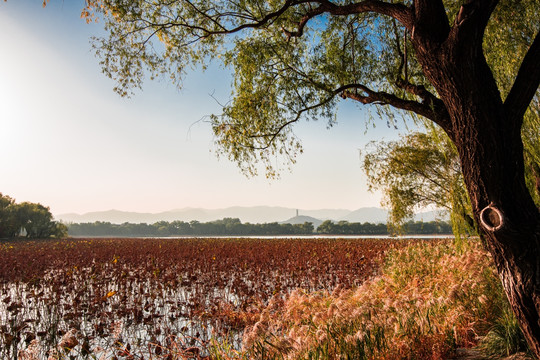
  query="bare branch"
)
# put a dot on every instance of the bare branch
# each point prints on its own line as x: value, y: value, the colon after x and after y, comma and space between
x: 403, y: 56
x: 526, y: 83
x: 259, y: 23
x: 272, y: 136
x: 400, y: 12
x: 305, y: 19
x: 432, y: 108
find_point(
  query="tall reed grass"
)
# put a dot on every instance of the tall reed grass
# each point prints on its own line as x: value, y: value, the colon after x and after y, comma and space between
x: 428, y: 300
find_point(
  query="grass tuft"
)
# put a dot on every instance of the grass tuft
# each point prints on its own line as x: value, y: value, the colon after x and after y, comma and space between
x: 504, y: 338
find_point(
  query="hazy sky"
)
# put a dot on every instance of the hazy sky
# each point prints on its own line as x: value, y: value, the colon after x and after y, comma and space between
x: 69, y: 142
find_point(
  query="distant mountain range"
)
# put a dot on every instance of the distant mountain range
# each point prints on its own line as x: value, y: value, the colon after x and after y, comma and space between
x: 254, y: 215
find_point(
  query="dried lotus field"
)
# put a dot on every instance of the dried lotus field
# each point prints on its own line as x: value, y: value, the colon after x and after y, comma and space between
x: 158, y: 298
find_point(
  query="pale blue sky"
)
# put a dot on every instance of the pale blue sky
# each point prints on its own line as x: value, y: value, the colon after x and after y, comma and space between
x: 69, y: 142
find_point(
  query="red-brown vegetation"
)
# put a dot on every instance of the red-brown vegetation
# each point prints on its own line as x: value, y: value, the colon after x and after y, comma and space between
x: 128, y: 296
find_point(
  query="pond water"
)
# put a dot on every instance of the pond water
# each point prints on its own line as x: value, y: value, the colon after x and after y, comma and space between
x: 141, y: 296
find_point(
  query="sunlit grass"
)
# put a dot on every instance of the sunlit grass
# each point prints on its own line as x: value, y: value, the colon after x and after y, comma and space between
x: 429, y: 300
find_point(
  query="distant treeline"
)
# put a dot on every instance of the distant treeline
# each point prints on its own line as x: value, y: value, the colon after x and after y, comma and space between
x: 31, y: 220
x: 234, y: 227
x: 227, y: 226
x: 409, y: 228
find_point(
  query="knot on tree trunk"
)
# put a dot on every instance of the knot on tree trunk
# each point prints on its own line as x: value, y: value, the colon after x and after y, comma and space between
x: 491, y: 218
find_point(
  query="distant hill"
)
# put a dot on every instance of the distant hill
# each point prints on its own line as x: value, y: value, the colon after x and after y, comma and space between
x: 112, y: 216
x: 258, y: 214
x: 254, y: 215
x: 325, y: 214
x: 377, y: 215
x: 300, y: 219
x: 368, y: 214
x: 432, y: 216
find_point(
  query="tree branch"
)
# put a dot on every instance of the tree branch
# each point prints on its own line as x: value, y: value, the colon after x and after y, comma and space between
x: 402, y: 54
x: 471, y: 21
x: 526, y: 83
x: 400, y: 12
x: 430, y: 20
x: 432, y: 108
x: 303, y: 22
x: 265, y: 19
x: 271, y: 136
x: 403, y: 82
x: 256, y: 23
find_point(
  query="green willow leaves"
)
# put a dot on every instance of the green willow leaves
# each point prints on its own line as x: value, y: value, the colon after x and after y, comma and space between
x: 294, y: 60
x: 290, y: 62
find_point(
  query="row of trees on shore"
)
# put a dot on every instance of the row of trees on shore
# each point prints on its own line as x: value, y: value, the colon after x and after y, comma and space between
x: 409, y: 228
x: 227, y: 226
x: 33, y: 220
x: 27, y: 219
x: 233, y: 226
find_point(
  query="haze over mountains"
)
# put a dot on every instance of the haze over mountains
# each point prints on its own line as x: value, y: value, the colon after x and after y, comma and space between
x: 256, y: 214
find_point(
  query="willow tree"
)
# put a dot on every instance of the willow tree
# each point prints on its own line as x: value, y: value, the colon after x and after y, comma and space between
x: 296, y: 59
x: 420, y: 169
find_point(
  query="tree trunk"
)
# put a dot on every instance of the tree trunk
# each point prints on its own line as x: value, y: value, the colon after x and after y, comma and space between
x: 508, y: 219
x: 491, y: 153
x: 509, y: 223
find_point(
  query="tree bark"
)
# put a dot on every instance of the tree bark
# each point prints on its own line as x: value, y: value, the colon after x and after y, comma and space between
x: 491, y: 154
x: 492, y: 165
x: 488, y: 140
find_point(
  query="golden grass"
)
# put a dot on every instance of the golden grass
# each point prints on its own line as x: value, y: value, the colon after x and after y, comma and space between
x: 428, y: 300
